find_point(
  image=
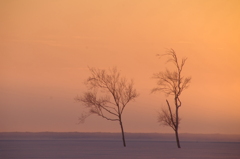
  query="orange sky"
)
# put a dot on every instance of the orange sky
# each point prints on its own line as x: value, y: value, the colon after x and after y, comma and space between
x: 46, y: 47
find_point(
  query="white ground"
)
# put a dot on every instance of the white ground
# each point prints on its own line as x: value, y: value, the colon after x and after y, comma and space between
x: 109, y: 146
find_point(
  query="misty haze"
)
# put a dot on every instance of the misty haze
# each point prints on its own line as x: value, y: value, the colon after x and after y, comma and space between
x: 152, y: 78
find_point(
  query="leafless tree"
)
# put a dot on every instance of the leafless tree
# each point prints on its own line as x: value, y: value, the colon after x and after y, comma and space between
x: 172, y: 83
x: 107, y: 96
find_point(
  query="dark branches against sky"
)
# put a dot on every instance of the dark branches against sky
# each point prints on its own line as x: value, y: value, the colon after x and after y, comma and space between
x: 172, y: 83
x: 107, y: 96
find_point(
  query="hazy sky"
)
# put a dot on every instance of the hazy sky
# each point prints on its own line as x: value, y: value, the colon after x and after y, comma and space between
x: 47, y: 46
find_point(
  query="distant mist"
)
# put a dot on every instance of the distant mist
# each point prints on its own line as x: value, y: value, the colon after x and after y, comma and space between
x: 116, y: 136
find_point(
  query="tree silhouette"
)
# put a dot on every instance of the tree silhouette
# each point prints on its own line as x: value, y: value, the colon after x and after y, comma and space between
x: 172, y: 83
x: 107, y: 96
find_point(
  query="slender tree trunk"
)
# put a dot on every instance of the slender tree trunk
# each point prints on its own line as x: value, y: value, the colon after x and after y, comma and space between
x: 177, y: 139
x: 123, y: 137
x: 177, y: 123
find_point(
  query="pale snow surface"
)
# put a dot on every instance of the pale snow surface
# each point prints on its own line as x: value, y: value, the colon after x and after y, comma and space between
x: 109, y: 146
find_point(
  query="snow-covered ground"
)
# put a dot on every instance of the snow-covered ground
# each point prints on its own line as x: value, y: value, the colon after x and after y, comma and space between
x: 109, y: 146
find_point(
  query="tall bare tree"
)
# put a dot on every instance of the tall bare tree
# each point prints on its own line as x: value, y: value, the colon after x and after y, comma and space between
x: 172, y: 83
x: 107, y: 96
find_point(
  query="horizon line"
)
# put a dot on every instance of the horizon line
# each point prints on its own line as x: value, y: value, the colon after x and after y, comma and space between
x: 117, y: 132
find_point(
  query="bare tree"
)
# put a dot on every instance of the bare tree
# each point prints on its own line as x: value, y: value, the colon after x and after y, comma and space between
x: 108, y: 95
x: 172, y: 83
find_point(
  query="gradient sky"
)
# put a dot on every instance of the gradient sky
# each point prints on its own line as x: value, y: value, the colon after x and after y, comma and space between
x: 47, y: 46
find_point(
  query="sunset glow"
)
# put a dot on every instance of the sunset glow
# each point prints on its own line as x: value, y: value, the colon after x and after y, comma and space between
x: 46, y: 48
